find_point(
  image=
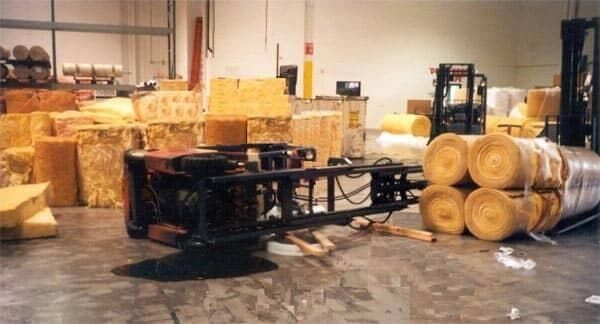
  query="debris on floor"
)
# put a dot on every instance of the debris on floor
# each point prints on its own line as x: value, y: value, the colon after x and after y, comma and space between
x: 593, y: 299
x: 514, y: 314
x: 396, y: 230
x: 504, y: 256
x: 301, y: 247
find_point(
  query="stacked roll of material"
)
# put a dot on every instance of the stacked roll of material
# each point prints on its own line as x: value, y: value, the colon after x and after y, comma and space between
x: 416, y: 125
x: 442, y: 208
x: 55, y: 161
x: 446, y: 159
x: 174, y: 134
x: 503, y: 162
x: 225, y: 129
x: 20, y: 52
x: 100, y: 150
x: 494, y: 215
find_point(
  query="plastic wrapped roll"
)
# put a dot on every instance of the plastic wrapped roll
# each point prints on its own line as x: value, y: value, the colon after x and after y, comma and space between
x: 38, y: 54
x: 4, y: 53
x: 22, y: 72
x: 56, y: 162
x: 225, y: 129
x: 503, y: 162
x: 445, y: 161
x: 85, y: 70
x: 39, y: 73
x: 69, y: 69
x: 580, y: 191
x: 495, y: 215
x: 20, y: 52
x: 416, y: 125
x: 442, y: 208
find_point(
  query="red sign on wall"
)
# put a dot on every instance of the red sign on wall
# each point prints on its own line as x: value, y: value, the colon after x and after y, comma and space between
x: 308, y: 48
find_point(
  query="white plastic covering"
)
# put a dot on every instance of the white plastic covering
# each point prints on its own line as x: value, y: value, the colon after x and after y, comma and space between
x: 501, y: 100
x: 580, y: 191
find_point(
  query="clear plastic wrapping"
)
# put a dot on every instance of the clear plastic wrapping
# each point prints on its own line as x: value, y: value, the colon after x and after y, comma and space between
x: 580, y: 190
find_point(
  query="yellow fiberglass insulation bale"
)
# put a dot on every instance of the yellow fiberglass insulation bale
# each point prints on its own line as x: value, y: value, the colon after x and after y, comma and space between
x: 56, y: 162
x: 174, y: 134
x: 40, y: 124
x: 416, y: 125
x: 41, y: 224
x: 446, y: 159
x: 15, y: 130
x: 276, y: 129
x: 503, y: 162
x: 100, y: 150
x: 442, y: 208
x: 225, y: 129
x: 16, y: 166
x: 18, y: 203
x: 495, y: 215
x: 64, y: 124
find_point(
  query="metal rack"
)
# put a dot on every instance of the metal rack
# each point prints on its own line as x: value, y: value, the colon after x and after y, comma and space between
x: 55, y: 26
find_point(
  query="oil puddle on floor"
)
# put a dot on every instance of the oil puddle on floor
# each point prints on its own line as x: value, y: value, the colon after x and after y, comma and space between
x: 197, y: 265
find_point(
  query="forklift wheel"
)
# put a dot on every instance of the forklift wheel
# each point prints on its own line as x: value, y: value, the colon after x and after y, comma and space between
x: 204, y: 165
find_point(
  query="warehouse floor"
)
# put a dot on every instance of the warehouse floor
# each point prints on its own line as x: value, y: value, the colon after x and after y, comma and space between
x: 93, y: 271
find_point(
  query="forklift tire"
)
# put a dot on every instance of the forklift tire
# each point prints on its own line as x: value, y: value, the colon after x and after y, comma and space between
x: 204, y: 165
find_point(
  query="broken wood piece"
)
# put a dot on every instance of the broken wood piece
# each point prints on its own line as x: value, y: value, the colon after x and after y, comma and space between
x: 324, y: 241
x: 305, y: 246
x: 398, y: 230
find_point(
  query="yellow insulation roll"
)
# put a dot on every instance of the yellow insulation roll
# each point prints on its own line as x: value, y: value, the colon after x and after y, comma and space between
x: 55, y: 161
x: 416, y: 125
x: 442, y: 208
x: 503, y: 162
x: 495, y: 215
x: 445, y: 161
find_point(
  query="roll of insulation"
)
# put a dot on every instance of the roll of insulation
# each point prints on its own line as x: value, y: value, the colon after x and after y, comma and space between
x: 84, y: 70
x: 416, y: 125
x: 446, y: 159
x: 442, y: 208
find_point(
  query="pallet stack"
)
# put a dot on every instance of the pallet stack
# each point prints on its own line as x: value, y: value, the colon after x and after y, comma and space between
x: 497, y: 185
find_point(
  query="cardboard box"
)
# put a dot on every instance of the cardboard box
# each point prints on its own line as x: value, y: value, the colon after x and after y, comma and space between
x: 418, y: 106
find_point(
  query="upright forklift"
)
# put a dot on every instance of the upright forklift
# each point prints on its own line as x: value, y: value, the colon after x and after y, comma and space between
x: 463, y: 116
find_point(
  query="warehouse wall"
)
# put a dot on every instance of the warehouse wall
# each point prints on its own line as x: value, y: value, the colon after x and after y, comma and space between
x: 540, y: 45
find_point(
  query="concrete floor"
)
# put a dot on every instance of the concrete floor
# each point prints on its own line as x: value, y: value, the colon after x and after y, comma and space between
x: 94, y: 273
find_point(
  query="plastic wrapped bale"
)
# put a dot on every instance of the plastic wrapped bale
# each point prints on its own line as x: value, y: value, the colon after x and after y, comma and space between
x: 16, y: 166
x: 174, y: 134
x: 21, y: 101
x: 100, y: 150
x: 55, y: 161
x: 495, y: 215
x: 40, y: 125
x: 18, y: 203
x: 225, y: 129
x: 270, y: 129
x: 15, y: 130
x: 57, y: 100
x: 442, y: 208
x: 167, y: 105
x: 445, y: 161
x: 41, y: 224
x: 543, y: 102
x: 64, y: 124
x: 416, y: 125
x: 503, y: 162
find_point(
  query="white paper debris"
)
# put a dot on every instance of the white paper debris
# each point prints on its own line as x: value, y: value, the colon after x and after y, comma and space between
x: 593, y: 299
x: 514, y: 314
x: 504, y: 256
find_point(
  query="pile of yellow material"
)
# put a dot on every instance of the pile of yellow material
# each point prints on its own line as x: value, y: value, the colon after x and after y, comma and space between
x: 225, y: 129
x: 64, y: 124
x: 495, y: 215
x: 15, y: 130
x: 100, y: 150
x: 254, y: 97
x: 24, y: 212
x: 416, y: 125
x: 40, y: 125
x: 109, y: 111
x: 442, y: 208
x: 321, y: 130
x: 503, y: 162
x: 269, y: 129
x: 174, y: 134
x: 167, y: 105
x: 55, y: 162
x: 16, y: 166
x: 445, y: 161
x: 543, y: 102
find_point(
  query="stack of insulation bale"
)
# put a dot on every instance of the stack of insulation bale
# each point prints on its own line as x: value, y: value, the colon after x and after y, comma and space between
x: 525, y: 185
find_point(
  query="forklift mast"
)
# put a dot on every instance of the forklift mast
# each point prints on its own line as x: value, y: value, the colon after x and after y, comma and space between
x: 574, y: 122
x: 465, y: 117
